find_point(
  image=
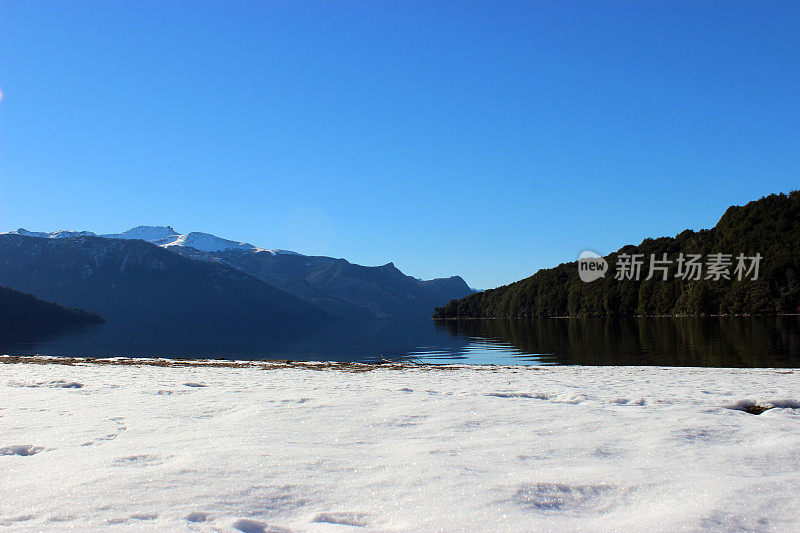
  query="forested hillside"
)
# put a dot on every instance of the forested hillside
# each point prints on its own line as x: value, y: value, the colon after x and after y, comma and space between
x: 769, y: 227
x: 18, y: 309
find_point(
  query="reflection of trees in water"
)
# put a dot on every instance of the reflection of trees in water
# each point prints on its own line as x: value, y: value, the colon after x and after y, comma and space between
x: 744, y: 342
x: 713, y: 341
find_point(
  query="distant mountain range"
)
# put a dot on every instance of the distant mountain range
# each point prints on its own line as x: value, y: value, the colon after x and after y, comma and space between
x: 769, y: 226
x: 154, y: 272
x: 163, y: 236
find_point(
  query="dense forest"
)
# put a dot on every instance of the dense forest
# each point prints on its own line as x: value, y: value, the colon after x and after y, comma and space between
x: 769, y: 226
x: 19, y: 309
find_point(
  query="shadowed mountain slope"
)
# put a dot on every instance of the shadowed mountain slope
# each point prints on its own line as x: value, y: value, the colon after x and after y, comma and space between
x: 136, y: 280
x: 340, y: 287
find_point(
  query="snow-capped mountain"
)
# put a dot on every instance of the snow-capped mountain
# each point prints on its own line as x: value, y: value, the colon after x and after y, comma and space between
x: 145, y: 233
x: 131, y: 280
x: 52, y: 235
x: 336, y: 286
x: 205, y: 242
x: 164, y: 236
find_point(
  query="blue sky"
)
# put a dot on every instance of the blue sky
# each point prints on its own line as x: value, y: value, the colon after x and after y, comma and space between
x: 486, y: 139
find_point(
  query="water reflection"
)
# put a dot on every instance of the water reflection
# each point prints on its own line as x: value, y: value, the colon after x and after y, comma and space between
x: 720, y: 342
x: 365, y: 341
x: 712, y: 341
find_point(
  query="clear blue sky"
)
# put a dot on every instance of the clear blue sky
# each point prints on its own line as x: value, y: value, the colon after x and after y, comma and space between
x: 486, y: 139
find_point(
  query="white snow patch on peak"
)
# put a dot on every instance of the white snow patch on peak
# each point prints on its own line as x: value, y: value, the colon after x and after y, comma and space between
x: 278, y: 252
x: 164, y: 236
x: 50, y: 235
x: 205, y: 242
x: 145, y: 233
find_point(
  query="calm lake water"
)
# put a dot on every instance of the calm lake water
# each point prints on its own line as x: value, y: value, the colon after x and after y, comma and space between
x: 721, y: 342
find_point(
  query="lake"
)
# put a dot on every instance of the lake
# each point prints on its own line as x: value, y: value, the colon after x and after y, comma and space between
x: 712, y: 341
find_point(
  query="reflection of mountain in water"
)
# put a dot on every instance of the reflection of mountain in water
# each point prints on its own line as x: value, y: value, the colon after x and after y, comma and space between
x: 18, y: 336
x: 713, y: 341
x: 731, y: 342
x: 367, y: 341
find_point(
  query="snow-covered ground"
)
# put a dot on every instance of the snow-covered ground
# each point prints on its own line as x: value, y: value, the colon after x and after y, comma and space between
x: 311, y: 448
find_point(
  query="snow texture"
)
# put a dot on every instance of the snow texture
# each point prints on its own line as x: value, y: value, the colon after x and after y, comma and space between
x: 164, y: 236
x: 145, y: 233
x: 304, y: 447
x: 205, y: 242
x: 51, y: 235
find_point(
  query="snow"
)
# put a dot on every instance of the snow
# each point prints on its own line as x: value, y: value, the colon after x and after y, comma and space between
x: 329, y: 447
x: 164, y: 236
x: 51, y: 235
x: 145, y: 233
x: 279, y: 252
x: 205, y: 242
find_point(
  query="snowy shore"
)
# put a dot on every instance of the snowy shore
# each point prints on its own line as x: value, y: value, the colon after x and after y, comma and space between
x: 346, y: 447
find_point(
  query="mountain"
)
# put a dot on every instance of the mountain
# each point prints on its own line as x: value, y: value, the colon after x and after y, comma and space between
x: 53, y: 235
x: 340, y: 287
x: 146, y: 233
x: 337, y: 286
x: 167, y: 237
x: 18, y: 309
x: 134, y: 280
x: 164, y: 236
x: 769, y: 226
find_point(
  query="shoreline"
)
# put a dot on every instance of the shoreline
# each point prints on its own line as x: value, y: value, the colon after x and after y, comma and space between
x: 346, y: 366
x: 569, y: 317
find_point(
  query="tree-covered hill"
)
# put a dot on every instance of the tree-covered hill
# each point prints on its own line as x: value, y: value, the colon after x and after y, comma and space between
x: 769, y: 226
x: 19, y: 309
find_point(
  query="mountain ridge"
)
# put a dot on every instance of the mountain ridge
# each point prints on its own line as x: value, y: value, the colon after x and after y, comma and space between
x: 336, y: 286
x: 164, y: 236
x: 340, y: 287
x: 133, y: 280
